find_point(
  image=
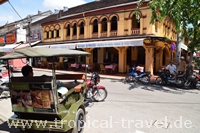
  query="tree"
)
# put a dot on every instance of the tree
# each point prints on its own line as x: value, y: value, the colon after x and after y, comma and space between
x: 185, y: 14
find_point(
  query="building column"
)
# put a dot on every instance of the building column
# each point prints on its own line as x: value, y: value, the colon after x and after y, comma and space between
x: 99, y: 29
x: 91, y: 30
x: 129, y: 26
x: 141, y: 25
x: 100, y: 55
x: 71, y: 33
x: 122, y: 59
x: 89, y: 58
x: 78, y: 32
x: 108, y: 28
x: 149, y: 59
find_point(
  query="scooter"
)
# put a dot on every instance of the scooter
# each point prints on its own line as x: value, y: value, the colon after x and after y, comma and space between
x: 164, y: 77
x: 94, y: 91
x: 193, y: 81
x: 134, y: 75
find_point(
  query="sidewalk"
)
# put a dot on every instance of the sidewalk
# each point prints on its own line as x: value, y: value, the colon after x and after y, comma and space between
x: 104, y: 76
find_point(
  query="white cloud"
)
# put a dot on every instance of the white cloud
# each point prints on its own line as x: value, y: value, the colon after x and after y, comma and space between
x: 5, y: 19
x: 59, y: 4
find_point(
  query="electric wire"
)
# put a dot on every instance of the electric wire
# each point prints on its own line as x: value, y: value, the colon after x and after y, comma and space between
x: 14, y: 9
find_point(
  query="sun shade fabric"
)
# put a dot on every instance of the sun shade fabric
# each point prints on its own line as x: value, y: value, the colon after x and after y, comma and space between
x: 8, y: 47
x: 42, y: 52
x: 59, y: 46
x: 115, y: 43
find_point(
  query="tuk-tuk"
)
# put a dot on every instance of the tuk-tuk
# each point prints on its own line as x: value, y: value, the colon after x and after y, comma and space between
x: 43, y: 103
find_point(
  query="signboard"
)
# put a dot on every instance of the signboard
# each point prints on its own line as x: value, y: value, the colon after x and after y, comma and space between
x: 11, y: 37
x: 34, y: 36
x: 33, y: 97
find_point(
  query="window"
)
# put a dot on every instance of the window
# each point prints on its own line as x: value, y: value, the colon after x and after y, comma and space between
x: 82, y: 28
x: 135, y: 22
x: 74, y: 29
x: 104, y: 24
x: 68, y: 30
x: 114, y: 23
x: 95, y: 26
x: 47, y: 34
x: 57, y: 33
x: 52, y: 34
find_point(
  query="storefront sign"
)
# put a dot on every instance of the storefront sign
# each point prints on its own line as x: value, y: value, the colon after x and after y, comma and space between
x: 11, y: 37
x: 35, y: 36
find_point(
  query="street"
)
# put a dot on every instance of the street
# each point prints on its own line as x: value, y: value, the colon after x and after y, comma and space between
x: 133, y: 108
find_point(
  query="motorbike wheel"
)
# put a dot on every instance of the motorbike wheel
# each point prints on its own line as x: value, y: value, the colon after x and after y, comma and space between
x: 145, y: 80
x: 180, y: 82
x: 100, y: 95
x: 127, y: 79
x: 159, y: 81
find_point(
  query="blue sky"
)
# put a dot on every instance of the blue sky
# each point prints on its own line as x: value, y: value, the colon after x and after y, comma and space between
x: 31, y: 7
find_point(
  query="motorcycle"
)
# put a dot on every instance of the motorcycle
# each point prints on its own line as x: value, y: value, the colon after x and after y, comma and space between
x: 134, y: 75
x: 164, y: 77
x: 94, y: 91
x: 193, y: 81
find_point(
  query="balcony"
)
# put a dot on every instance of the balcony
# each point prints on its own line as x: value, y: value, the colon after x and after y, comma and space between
x: 95, y: 35
x: 104, y: 34
x: 113, y: 33
x: 74, y: 37
x: 81, y: 36
x: 135, y: 31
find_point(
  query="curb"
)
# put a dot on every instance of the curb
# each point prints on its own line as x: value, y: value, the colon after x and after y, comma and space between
x: 88, y: 74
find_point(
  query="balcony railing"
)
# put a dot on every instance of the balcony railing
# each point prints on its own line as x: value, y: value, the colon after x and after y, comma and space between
x: 104, y: 34
x: 135, y: 31
x: 81, y: 36
x: 95, y: 35
x: 74, y: 37
x: 113, y: 33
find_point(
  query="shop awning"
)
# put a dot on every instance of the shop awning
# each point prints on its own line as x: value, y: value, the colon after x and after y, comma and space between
x: 59, y: 46
x: 114, y: 43
x: 8, y: 47
x: 183, y: 46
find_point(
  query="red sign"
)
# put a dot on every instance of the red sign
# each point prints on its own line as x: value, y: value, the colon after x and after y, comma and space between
x: 11, y: 37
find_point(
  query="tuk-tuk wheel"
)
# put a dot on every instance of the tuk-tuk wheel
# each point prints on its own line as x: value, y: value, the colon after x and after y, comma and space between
x: 79, y: 121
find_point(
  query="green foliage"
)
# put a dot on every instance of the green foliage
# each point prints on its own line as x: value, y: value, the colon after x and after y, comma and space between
x: 182, y: 13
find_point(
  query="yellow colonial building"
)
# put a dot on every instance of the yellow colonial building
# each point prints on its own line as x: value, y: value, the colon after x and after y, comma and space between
x: 109, y: 30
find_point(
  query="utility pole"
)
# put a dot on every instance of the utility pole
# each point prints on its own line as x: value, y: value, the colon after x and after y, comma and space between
x: 29, y: 37
x: 178, y: 47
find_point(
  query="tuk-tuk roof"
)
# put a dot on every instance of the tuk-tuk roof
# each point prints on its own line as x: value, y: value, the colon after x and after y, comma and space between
x: 42, y: 52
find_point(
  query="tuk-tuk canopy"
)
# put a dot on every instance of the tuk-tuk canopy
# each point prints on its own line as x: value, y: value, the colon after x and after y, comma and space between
x: 42, y: 52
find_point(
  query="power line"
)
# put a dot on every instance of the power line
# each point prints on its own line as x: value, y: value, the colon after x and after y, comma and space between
x: 14, y: 9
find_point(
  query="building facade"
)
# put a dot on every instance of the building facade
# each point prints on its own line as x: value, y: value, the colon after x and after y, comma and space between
x: 112, y: 34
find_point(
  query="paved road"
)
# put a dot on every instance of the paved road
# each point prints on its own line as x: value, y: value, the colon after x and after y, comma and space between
x: 133, y: 108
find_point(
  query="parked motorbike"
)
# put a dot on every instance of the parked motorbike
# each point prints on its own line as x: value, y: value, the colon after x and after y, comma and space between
x: 193, y: 81
x: 134, y: 75
x: 94, y: 91
x: 164, y: 77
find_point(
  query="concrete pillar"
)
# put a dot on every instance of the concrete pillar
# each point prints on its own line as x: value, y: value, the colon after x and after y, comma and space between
x: 78, y: 32
x: 91, y: 30
x: 62, y: 32
x: 149, y: 59
x: 141, y: 25
x: 99, y: 29
x: 129, y: 26
x: 71, y: 33
x: 108, y: 28
x: 122, y: 59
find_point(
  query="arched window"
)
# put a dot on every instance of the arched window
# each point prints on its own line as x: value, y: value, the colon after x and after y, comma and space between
x: 95, y: 26
x: 135, y: 22
x: 68, y: 30
x: 52, y: 31
x: 47, y: 32
x: 104, y: 24
x: 82, y: 28
x: 57, y: 28
x: 74, y: 29
x: 114, y: 23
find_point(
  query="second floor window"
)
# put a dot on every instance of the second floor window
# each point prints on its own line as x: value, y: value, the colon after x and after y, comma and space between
x: 82, y: 28
x: 114, y: 23
x: 68, y: 30
x: 95, y: 26
x: 104, y: 25
x: 52, y: 34
x: 47, y: 34
x: 57, y: 33
x: 74, y: 29
x: 135, y: 22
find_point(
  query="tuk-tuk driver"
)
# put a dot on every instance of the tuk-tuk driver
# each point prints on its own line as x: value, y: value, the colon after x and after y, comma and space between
x: 27, y: 71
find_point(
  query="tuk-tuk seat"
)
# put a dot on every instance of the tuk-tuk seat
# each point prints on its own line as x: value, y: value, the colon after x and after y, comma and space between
x: 32, y: 79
